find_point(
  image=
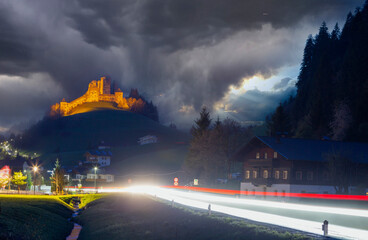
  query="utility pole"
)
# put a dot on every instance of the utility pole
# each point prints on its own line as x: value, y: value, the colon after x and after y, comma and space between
x: 95, y: 178
x: 35, y: 169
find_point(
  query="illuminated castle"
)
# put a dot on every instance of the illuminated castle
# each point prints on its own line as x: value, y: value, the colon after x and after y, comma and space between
x: 98, y: 91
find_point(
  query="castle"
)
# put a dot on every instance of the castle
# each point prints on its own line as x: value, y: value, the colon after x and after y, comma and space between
x: 98, y: 91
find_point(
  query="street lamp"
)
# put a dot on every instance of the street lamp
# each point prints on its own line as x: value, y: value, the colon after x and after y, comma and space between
x: 95, y: 168
x: 35, y: 169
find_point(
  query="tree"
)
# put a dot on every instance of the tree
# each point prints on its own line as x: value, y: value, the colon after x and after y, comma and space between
x: 340, y: 168
x: 4, y: 181
x: 279, y: 121
x: 29, y: 179
x: 198, y: 162
x: 233, y: 136
x: 57, y: 178
x: 211, y: 147
x: 19, y: 179
x: 341, y: 122
x: 202, y: 124
x: 335, y: 34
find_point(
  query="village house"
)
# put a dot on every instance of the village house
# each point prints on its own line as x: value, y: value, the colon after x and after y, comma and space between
x: 283, y: 165
x: 102, y: 157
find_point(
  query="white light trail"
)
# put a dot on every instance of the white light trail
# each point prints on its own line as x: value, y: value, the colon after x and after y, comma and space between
x: 201, y: 201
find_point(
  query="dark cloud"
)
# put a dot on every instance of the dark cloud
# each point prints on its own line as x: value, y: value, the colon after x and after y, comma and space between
x: 255, y: 105
x: 283, y: 83
x: 183, y: 23
x: 189, y: 52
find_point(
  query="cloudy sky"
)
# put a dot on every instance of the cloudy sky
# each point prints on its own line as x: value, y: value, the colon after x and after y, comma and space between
x: 239, y: 58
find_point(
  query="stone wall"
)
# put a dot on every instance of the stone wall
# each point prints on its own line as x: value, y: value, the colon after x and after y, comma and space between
x: 98, y: 91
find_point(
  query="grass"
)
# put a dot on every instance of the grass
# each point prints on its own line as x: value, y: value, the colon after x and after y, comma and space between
x: 34, y: 217
x: 84, y: 199
x: 127, y: 216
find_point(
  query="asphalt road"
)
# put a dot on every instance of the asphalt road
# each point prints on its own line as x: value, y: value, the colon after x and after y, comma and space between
x: 345, y: 223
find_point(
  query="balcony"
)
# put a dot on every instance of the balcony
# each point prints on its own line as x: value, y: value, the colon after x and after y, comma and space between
x: 260, y: 162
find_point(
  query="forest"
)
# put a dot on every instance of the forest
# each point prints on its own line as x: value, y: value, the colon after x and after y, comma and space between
x: 332, y: 89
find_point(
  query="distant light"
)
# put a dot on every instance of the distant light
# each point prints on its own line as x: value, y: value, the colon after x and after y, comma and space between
x: 95, y: 168
x: 35, y: 168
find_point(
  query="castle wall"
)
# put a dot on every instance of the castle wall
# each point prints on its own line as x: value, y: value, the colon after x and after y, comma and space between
x: 98, y: 91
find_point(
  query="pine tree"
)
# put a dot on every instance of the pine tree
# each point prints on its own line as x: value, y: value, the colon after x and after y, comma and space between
x: 279, y: 121
x: 335, y: 34
x: 57, y: 178
x: 202, y: 124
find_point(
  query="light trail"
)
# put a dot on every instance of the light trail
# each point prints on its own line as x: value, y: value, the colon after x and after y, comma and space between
x: 273, y: 194
x: 201, y: 201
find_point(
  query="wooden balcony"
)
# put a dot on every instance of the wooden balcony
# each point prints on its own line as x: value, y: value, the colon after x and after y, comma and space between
x: 260, y: 162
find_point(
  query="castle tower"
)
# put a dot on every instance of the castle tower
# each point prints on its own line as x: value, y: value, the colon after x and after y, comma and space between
x: 105, y: 86
x: 63, y: 107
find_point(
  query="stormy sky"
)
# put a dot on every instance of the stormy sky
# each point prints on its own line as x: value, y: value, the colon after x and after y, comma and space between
x: 239, y: 58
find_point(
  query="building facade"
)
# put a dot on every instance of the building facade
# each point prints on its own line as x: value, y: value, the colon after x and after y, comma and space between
x: 99, y: 157
x: 284, y: 165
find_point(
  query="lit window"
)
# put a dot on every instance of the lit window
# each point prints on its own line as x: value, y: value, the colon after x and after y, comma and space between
x: 265, y: 155
x: 298, y: 175
x: 265, y: 174
x: 274, y: 154
x: 310, y: 176
x: 254, y: 174
x: 284, y: 174
x: 277, y: 174
x: 257, y: 155
x: 247, y: 174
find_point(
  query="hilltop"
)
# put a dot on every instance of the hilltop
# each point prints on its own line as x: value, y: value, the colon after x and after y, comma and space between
x: 108, y: 97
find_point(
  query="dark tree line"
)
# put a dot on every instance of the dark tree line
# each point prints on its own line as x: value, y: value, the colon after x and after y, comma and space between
x: 211, y: 147
x: 142, y: 106
x: 332, y: 87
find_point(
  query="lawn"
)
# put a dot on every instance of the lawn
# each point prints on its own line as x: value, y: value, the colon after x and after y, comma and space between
x: 34, y: 217
x: 127, y: 216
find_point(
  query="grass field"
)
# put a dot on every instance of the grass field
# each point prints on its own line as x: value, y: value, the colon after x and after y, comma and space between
x: 38, y: 217
x: 127, y: 216
x: 34, y: 217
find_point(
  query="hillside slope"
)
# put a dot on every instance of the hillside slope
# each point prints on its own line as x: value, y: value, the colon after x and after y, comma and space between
x: 82, y: 131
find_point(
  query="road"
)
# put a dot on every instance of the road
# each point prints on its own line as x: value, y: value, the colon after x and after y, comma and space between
x: 344, y: 223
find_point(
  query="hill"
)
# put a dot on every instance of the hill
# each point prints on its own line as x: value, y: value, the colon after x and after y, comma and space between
x: 96, y: 106
x: 332, y: 85
x: 69, y: 137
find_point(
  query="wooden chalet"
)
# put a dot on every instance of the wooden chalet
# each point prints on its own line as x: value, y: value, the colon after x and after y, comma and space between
x: 276, y: 164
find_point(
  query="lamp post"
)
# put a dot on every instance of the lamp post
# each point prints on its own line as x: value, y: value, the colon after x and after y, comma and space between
x: 35, y: 169
x: 95, y: 178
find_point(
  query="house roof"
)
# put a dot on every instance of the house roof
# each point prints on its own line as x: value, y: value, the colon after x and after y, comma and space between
x: 315, y: 150
x: 100, y: 152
